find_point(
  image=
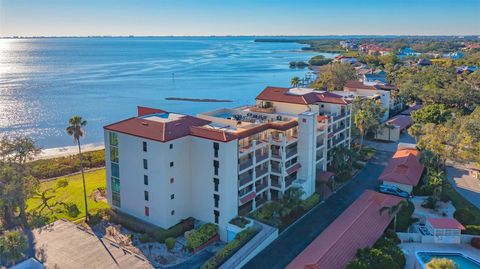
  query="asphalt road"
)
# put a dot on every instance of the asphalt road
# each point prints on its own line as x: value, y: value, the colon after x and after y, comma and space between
x: 298, y: 236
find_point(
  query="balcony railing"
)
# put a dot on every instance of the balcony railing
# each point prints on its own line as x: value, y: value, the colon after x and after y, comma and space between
x: 243, y: 180
x: 260, y: 201
x: 277, y: 155
x: 276, y: 169
x: 261, y: 157
x: 320, y: 143
x: 245, y: 164
x: 260, y: 187
x: 261, y: 172
x: 275, y: 183
x: 291, y: 153
x: 262, y: 109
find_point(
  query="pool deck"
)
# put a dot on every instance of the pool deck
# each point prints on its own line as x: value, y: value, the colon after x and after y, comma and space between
x: 411, y: 248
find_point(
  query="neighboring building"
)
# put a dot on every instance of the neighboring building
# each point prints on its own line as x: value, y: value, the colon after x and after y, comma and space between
x: 372, y: 49
x: 349, y: 44
x: 404, y: 169
x: 424, y: 62
x: 455, y: 55
x: 375, y: 90
x: 408, y: 111
x: 345, y: 60
x: 375, y: 77
x: 163, y: 167
x: 443, y: 230
x: 466, y: 69
x: 359, y: 226
x: 407, y: 52
x: 393, y: 128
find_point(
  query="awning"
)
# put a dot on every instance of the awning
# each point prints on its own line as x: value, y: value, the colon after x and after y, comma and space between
x: 294, y: 168
x: 248, y: 198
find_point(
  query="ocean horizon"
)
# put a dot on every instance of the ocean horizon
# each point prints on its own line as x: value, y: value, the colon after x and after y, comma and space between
x: 44, y: 81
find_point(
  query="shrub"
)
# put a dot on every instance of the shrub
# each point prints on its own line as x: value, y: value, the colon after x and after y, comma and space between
x: 224, y: 254
x: 71, y: 210
x: 319, y: 60
x: 240, y: 222
x: 441, y: 263
x: 404, y: 217
x: 311, y: 201
x: 430, y: 202
x: 170, y: 243
x: 145, y: 238
x: 472, y: 229
x: 465, y: 216
x: 201, y: 236
x: 392, y: 235
x: 384, y: 254
x: 161, y: 234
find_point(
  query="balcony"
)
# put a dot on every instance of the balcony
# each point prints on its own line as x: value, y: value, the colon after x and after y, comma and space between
x: 339, y: 117
x: 291, y: 153
x: 260, y: 187
x: 260, y: 201
x: 268, y: 110
x: 244, y: 165
x: 320, y: 143
x: 245, y: 179
x: 261, y: 157
x: 259, y: 172
x: 275, y: 183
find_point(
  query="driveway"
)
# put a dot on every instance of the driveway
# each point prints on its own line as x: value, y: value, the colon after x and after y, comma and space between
x: 390, y: 146
x: 466, y: 185
x: 298, y: 236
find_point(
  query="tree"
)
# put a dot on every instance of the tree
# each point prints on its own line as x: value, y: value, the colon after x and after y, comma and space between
x: 16, y: 183
x: 334, y: 76
x: 295, y: 81
x: 76, y: 128
x: 367, y: 116
x: 393, y: 211
x: 435, y: 113
x: 12, y: 246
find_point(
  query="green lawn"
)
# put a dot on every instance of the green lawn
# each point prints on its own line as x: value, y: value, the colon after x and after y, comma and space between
x: 72, y: 193
x: 459, y: 201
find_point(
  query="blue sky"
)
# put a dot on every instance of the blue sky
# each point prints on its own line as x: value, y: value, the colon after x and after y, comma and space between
x: 241, y: 17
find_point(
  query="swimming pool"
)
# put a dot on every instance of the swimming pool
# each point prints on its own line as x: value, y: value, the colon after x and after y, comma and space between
x: 463, y: 261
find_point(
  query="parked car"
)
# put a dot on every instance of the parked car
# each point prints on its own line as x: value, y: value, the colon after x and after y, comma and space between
x: 393, y: 190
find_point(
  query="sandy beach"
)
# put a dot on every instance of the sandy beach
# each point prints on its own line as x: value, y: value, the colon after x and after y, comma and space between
x: 67, y: 150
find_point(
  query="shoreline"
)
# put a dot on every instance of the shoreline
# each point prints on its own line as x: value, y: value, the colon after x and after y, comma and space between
x: 198, y: 100
x: 50, y: 153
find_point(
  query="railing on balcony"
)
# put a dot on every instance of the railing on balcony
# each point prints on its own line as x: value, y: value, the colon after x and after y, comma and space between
x: 262, y: 109
x: 276, y: 169
x: 276, y: 154
x: 261, y: 157
x: 291, y: 152
x: 245, y: 179
x: 320, y: 142
x: 260, y: 187
x: 275, y: 183
x: 261, y: 172
x: 260, y: 201
x: 337, y: 117
x: 245, y: 164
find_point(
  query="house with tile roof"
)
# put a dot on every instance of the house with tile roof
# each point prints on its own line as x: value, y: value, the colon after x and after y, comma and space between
x: 163, y: 166
x: 404, y: 169
x: 359, y: 226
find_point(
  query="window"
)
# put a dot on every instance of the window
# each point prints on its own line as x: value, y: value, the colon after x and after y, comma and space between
x: 172, y: 196
x: 216, y: 213
x: 216, y: 164
x: 144, y: 146
x: 215, y: 183
x: 114, y: 154
x: 171, y: 164
x: 145, y: 195
x: 171, y: 146
x: 147, y: 211
x: 145, y: 164
x: 145, y: 179
x: 172, y: 212
x: 116, y: 199
x: 113, y: 139
x: 172, y: 180
x: 216, y: 146
x: 115, y: 184
x: 115, y: 170
x: 216, y: 197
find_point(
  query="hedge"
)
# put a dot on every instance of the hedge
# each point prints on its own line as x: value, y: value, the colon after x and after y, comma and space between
x: 472, y: 229
x: 311, y: 201
x: 230, y: 249
x: 201, y: 236
x: 56, y: 167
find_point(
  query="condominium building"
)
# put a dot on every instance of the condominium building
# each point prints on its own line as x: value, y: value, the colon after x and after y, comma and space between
x: 163, y: 167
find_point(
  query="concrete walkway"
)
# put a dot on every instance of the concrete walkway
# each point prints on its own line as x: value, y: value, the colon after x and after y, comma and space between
x: 466, y: 185
x: 298, y: 236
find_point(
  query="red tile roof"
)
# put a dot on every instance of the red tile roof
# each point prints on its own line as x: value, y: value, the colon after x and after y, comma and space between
x: 359, y: 226
x: 445, y: 223
x: 170, y: 130
x: 402, y: 121
x: 409, y: 110
x: 404, y: 168
x: 278, y: 94
x: 353, y: 85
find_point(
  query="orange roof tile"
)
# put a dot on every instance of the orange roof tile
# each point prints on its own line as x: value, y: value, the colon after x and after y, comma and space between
x: 359, y: 226
x: 279, y: 94
x: 404, y: 168
x: 445, y: 223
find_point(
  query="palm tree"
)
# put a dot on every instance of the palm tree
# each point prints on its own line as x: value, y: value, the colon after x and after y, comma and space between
x: 295, y: 81
x: 76, y: 128
x: 361, y: 121
x: 12, y: 246
x: 393, y: 211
